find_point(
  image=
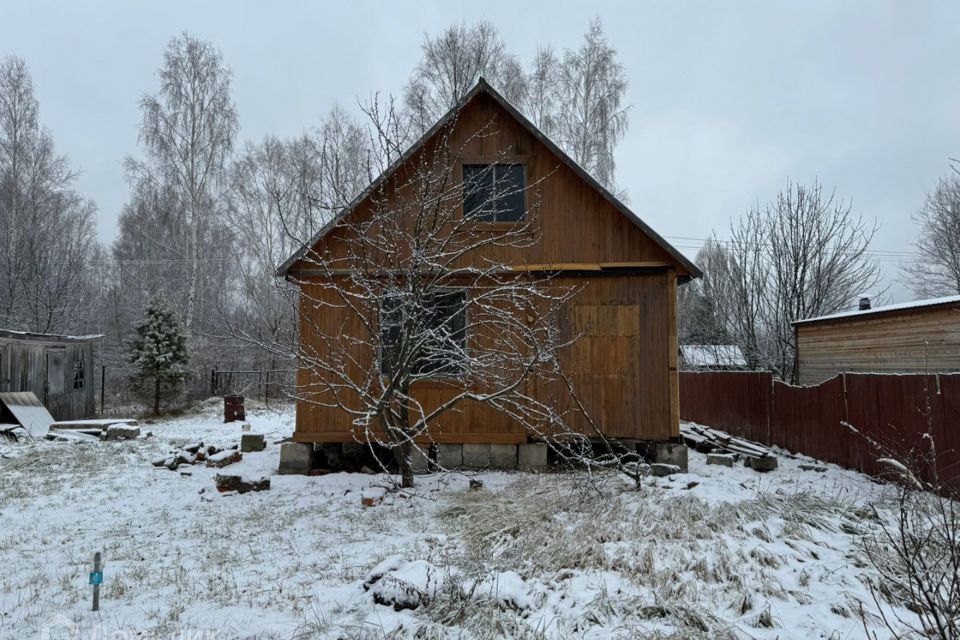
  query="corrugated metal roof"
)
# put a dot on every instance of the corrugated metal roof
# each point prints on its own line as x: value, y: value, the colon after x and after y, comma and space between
x: 900, y: 306
x: 47, y: 337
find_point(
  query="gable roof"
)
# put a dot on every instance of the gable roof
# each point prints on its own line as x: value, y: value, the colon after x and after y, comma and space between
x: 482, y: 87
x: 856, y: 314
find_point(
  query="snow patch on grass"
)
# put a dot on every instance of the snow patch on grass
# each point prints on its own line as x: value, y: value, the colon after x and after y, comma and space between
x: 739, y: 555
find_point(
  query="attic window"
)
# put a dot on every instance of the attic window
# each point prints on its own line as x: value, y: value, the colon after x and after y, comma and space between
x: 494, y: 192
x: 442, y: 318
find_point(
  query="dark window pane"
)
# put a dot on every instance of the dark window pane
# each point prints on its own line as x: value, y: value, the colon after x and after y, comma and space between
x: 511, y: 200
x: 478, y: 191
x: 444, y: 317
x: 494, y: 193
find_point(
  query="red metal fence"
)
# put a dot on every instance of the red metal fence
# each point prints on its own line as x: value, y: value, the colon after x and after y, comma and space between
x: 850, y: 420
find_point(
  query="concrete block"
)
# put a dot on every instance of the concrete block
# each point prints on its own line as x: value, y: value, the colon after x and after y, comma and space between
x: 503, y: 456
x: 295, y: 458
x: 450, y: 456
x: 476, y: 456
x: 724, y: 459
x: 762, y: 463
x: 662, y: 470
x: 532, y: 456
x: 674, y: 453
x: 252, y: 442
x: 122, y: 432
x: 420, y: 460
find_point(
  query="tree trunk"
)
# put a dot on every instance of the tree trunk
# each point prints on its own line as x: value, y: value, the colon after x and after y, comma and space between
x: 402, y: 455
x: 156, y: 397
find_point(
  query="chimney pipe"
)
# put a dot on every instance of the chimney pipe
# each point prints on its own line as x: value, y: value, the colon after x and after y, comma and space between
x: 864, y: 303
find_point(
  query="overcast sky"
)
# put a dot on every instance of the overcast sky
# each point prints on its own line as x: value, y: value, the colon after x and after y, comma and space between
x: 728, y: 99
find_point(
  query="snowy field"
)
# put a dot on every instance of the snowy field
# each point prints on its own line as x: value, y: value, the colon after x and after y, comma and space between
x: 716, y: 553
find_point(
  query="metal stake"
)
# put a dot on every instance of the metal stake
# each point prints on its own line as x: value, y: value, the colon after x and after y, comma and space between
x: 96, y: 577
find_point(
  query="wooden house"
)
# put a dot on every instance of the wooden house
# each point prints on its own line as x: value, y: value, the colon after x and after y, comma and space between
x: 922, y: 336
x: 57, y: 369
x: 624, y: 367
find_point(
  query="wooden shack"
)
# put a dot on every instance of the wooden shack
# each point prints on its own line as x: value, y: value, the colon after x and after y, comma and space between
x: 57, y: 369
x: 922, y: 336
x: 624, y: 365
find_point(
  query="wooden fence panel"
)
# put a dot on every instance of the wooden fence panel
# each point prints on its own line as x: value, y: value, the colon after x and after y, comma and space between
x: 810, y: 420
x: 889, y: 415
x: 948, y: 439
x: 736, y: 401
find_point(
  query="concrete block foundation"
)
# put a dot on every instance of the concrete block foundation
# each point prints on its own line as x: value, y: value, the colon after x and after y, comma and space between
x: 503, y: 456
x: 476, y: 456
x: 450, y: 456
x: 532, y: 456
x: 295, y: 458
x: 674, y: 453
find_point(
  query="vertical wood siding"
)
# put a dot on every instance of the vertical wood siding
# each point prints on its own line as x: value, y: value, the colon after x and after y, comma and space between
x: 23, y: 367
x: 620, y: 368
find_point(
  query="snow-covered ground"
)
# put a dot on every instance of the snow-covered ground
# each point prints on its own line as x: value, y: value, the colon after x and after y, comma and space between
x: 719, y: 552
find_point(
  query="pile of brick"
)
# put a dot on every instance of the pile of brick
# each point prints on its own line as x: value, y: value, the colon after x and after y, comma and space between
x: 199, y: 453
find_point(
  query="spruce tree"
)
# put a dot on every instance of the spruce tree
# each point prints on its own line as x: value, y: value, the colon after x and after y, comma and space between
x: 158, y: 353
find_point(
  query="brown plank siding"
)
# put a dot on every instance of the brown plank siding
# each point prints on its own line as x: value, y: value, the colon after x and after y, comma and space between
x: 620, y: 368
x: 916, y: 341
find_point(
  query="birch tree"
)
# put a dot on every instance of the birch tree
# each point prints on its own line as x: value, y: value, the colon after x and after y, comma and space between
x: 450, y: 66
x: 591, y: 116
x: 936, y: 269
x: 187, y: 133
x: 47, y: 235
x: 577, y: 98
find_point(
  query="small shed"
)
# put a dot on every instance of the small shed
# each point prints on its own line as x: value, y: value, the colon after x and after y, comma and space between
x: 921, y: 336
x: 57, y: 369
x: 712, y: 357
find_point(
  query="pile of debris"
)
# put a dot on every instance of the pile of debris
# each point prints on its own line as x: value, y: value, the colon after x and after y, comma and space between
x: 724, y: 449
x: 198, y: 452
x: 23, y: 416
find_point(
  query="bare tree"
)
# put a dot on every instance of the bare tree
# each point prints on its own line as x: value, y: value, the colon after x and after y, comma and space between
x: 915, y: 547
x: 541, y: 100
x: 47, y: 238
x: 591, y: 117
x: 450, y: 66
x: 936, y: 270
x: 282, y: 191
x: 188, y: 133
x: 803, y: 255
x: 702, y: 304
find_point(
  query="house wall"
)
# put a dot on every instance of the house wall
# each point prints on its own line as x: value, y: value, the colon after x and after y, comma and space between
x: 624, y: 368
x: 572, y: 222
x: 912, y: 341
x: 26, y: 364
